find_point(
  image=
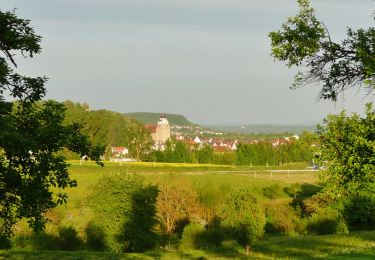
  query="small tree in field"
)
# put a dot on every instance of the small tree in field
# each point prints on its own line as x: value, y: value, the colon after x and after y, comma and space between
x: 243, y: 218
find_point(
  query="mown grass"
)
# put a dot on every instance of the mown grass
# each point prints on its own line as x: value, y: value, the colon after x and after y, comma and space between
x: 357, y: 245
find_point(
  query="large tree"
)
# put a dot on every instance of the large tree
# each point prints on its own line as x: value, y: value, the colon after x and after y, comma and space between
x: 304, y: 41
x: 348, y: 142
x: 31, y: 134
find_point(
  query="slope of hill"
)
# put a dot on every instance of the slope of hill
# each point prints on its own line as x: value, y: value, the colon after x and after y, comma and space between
x: 152, y: 118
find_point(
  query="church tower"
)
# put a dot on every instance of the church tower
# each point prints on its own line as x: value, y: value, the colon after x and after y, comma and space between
x: 163, y: 130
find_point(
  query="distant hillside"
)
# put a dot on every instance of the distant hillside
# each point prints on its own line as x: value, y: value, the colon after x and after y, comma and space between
x: 153, y: 118
x: 265, y: 129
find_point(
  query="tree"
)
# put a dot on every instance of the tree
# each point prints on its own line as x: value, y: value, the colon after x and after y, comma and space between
x: 243, y: 218
x: 349, y: 147
x: 139, y: 140
x: 31, y: 134
x: 177, y: 201
x: 205, y: 154
x: 126, y: 209
x: 347, y: 142
x: 305, y: 42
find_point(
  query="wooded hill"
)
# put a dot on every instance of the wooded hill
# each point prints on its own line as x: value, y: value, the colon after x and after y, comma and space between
x: 153, y: 118
x: 108, y: 128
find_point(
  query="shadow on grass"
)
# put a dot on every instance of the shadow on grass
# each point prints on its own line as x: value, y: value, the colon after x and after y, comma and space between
x: 314, y: 247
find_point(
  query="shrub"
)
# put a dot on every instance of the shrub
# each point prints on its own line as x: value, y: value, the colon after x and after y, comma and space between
x: 36, y: 241
x: 192, y: 237
x: 281, y: 218
x: 127, y: 212
x: 294, y: 190
x: 95, y: 237
x: 272, y: 192
x: 242, y: 217
x: 326, y: 221
x: 359, y: 212
x: 68, y: 239
x: 5, y: 242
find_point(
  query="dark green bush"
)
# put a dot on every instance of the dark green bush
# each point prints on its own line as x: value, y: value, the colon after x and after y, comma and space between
x: 95, y: 237
x: 5, y: 242
x: 359, y: 212
x: 280, y: 218
x: 326, y: 221
x: 68, y: 239
x: 126, y: 210
x: 36, y: 241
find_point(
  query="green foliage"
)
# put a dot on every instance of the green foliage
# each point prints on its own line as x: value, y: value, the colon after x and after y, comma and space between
x: 226, y: 158
x: 4, y: 242
x: 138, y: 232
x: 303, y: 40
x: 299, y: 38
x: 263, y: 153
x: 242, y: 217
x: 175, y: 151
x: 281, y: 218
x: 139, y: 141
x: 68, y: 239
x: 205, y: 154
x: 95, y: 237
x: 31, y: 135
x: 192, y: 237
x: 110, y: 128
x: 272, y: 192
x: 359, y: 212
x: 126, y: 210
x: 349, y: 147
x: 326, y: 221
x: 294, y: 190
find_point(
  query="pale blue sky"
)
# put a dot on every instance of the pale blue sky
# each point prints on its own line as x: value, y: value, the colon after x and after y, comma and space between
x: 206, y: 59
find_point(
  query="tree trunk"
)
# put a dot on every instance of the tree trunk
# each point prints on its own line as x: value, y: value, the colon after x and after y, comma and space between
x: 247, y: 249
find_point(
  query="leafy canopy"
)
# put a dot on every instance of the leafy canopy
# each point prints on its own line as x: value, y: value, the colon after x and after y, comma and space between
x: 335, y: 67
x: 31, y: 134
x: 349, y: 147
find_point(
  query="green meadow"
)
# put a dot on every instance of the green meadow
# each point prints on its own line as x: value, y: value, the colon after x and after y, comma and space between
x: 212, y: 183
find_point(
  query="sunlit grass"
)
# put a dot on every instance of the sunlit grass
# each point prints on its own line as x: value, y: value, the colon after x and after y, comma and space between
x: 357, y: 245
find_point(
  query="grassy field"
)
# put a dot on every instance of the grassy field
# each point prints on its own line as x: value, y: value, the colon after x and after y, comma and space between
x: 208, y: 180
x: 357, y: 245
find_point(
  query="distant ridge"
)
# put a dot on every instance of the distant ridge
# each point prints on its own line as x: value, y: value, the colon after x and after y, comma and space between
x: 264, y: 129
x: 152, y: 118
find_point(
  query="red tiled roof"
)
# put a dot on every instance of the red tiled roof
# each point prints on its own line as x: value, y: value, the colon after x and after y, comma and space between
x: 151, y: 128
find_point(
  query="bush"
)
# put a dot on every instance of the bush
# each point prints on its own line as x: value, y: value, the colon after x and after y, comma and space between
x: 272, y: 192
x: 36, y: 241
x: 5, y: 242
x: 192, y: 237
x: 127, y: 212
x: 242, y: 217
x: 95, y: 237
x: 68, y: 239
x: 280, y: 218
x: 359, y: 212
x: 326, y: 221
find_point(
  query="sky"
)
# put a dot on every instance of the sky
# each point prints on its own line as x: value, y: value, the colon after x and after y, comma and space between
x: 208, y: 60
